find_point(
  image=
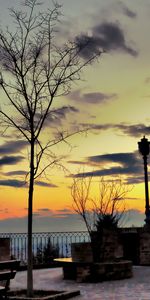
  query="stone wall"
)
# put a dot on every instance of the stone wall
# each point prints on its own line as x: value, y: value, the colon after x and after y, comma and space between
x: 130, y: 242
x: 136, y: 245
x: 144, y: 248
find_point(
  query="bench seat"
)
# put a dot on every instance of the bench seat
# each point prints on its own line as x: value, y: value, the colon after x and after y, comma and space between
x: 8, y: 271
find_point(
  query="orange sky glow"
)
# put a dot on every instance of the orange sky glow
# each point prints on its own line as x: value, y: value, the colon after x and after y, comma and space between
x: 113, y: 99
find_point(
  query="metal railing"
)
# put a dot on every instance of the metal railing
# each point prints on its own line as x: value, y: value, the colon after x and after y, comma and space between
x: 60, y: 242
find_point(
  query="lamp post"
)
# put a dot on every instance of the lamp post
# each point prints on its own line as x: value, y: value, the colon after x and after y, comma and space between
x: 144, y: 145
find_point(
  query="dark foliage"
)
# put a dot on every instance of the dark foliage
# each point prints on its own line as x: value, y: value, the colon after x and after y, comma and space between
x: 106, y: 221
x: 47, y: 254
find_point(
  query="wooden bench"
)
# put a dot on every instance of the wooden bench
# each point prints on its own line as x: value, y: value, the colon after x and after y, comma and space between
x: 8, y: 271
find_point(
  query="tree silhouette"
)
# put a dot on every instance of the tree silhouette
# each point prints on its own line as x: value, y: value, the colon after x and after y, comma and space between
x: 35, y: 69
x: 104, y: 212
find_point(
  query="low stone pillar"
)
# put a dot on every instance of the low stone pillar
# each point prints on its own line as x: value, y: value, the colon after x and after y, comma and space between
x: 107, y: 245
x: 81, y: 252
x: 4, y: 249
x: 111, y: 246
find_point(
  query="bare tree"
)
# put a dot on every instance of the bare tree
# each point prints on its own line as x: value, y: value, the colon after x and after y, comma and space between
x: 104, y: 212
x: 80, y: 191
x: 35, y: 69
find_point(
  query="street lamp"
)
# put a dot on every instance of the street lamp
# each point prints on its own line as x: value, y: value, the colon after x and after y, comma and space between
x: 144, y: 145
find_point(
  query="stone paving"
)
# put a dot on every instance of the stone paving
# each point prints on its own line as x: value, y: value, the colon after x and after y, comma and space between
x: 136, y: 288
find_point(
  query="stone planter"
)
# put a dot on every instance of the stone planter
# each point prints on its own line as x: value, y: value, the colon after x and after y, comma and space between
x: 97, y: 272
x: 110, y: 265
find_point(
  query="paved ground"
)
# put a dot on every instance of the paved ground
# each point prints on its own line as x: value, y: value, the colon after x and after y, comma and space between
x: 136, y: 288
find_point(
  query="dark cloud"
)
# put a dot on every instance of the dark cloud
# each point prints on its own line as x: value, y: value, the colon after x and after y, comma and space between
x: 124, y: 159
x: 36, y: 214
x: 63, y: 111
x: 129, y: 164
x: 105, y: 172
x: 45, y: 184
x: 135, y: 130
x: 134, y: 198
x: 57, y: 116
x: 88, y: 46
x: 13, y: 183
x: 127, y: 11
x: 76, y: 162
x: 105, y: 36
x: 93, y: 98
x: 45, y: 209
x: 135, y: 180
x: 10, y: 160
x: 14, y: 173
x: 60, y: 213
x: 12, y: 147
x: 65, y: 211
x: 97, y: 127
x: 112, y: 37
x: 126, y: 164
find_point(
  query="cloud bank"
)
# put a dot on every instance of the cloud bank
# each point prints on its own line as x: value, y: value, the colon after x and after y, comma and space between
x: 52, y: 222
x: 128, y: 164
x: 10, y: 147
x: 133, y: 130
x: 10, y: 160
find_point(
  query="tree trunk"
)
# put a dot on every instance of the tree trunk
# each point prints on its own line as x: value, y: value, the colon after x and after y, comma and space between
x: 30, y: 205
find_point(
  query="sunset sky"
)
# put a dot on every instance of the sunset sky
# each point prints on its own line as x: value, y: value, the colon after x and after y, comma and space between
x: 113, y: 99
